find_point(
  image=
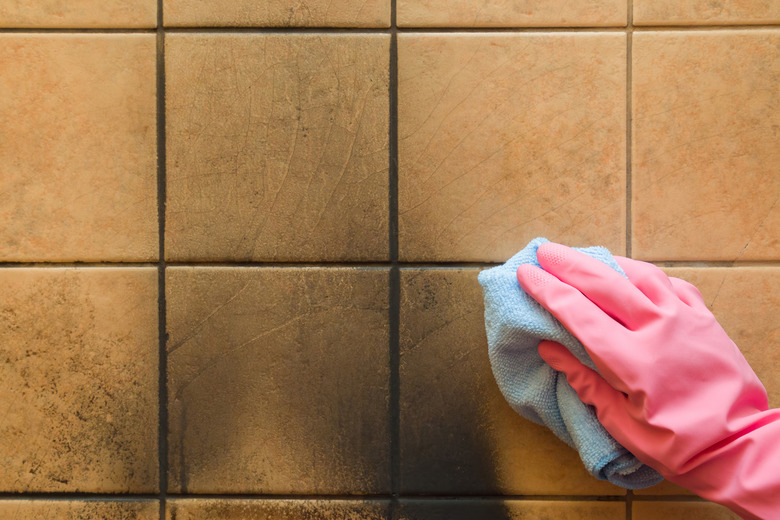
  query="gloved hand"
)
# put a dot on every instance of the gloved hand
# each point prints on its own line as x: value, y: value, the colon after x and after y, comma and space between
x: 673, y: 388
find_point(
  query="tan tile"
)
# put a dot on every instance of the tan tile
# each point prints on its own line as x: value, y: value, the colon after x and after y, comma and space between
x: 503, y: 138
x: 78, y: 510
x: 664, y: 488
x: 282, y: 13
x: 235, y: 509
x: 458, y: 433
x: 277, y: 147
x: 746, y: 302
x: 510, y: 510
x: 78, y: 147
x: 79, y: 13
x: 78, y: 380
x: 706, y: 145
x: 510, y: 13
x: 681, y: 511
x: 705, y: 12
x: 278, y: 380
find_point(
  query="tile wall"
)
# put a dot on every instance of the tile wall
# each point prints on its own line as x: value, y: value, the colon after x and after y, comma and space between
x: 240, y: 240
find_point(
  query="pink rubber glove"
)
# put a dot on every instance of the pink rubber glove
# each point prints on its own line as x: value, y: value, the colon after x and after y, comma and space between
x: 675, y: 391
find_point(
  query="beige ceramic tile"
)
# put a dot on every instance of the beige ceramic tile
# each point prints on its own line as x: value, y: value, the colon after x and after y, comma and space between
x: 78, y: 510
x: 510, y: 13
x: 458, y: 433
x: 681, y: 511
x: 277, y: 147
x: 503, y: 138
x: 664, y: 488
x: 706, y: 145
x: 282, y: 13
x: 78, y: 13
x: 78, y: 380
x: 705, y: 12
x: 278, y: 380
x: 78, y: 147
x: 234, y: 509
x: 510, y: 510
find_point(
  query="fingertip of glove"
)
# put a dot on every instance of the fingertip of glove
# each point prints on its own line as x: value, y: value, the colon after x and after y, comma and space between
x: 530, y: 277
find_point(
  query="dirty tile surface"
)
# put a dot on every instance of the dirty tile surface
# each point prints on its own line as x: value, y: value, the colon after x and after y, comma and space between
x: 706, y: 114
x: 277, y: 147
x: 78, y: 13
x: 77, y: 147
x: 78, y: 510
x: 510, y: 13
x: 237, y: 509
x: 705, y: 12
x: 509, y: 510
x: 278, y: 380
x: 503, y: 138
x: 277, y: 13
x: 458, y: 433
x: 681, y: 511
x: 78, y: 380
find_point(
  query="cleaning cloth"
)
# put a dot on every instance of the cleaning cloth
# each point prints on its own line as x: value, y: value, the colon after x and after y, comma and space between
x: 515, y: 325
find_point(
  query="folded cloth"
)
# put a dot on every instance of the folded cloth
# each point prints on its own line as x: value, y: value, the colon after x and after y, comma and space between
x: 515, y: 325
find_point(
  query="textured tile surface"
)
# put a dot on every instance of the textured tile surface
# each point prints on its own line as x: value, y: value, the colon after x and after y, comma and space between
x: 78, y: 380
x: 277, y: 147
x: 78, y: 13
x: 503, y: 138
x: 278, y: 380
x: 508, y: 13
x: 195, y: 509
x: 706, y: 145
x: 282, y: 13
x: 509, y: 510
x: 681, y: 511
x: 77, y: 147
x: 458, y: 434
x: 78, y: 510
x: 705, y: 12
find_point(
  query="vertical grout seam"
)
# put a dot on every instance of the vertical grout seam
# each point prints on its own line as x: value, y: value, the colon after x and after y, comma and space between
x: 162, y: 326
x: 395, y: 275
x: 629, y: 122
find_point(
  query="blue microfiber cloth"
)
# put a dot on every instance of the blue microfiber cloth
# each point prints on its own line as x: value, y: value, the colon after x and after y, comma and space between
x: 515, y: 325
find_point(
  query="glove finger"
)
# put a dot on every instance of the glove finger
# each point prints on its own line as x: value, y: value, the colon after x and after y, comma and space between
x: 688, y: 293
x: 611, y: 404
x: 603, y: 337
x: 649, y: 279
x: 601, y: 284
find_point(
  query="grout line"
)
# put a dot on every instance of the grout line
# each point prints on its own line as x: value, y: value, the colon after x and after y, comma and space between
x: 162, y: 324
x: 629, y: 504
x: 629, y: 122
x: 395, y: 274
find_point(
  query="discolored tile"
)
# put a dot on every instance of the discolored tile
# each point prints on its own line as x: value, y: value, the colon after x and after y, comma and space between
x: 79, y: 510
x: 664, y: 488
x: 506, y: 137
x: 235, y: 509
x: 78, y: 380
x: 277, y: 147
x: 510, y: 13
x: 79, y: 13
x: 706, y: 114
x: 705, y: 12
x: 77, y: 147
x: 280, y: 13
x: 681, y: 511
x: 458, y: 433
x: 278, y: 380
x: 746, y: 302
x: 510, y: 510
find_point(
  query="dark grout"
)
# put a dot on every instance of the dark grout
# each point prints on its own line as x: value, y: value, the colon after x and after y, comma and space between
x: 162, y: 325
x: 629, y: 122
x: 394, y: 300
